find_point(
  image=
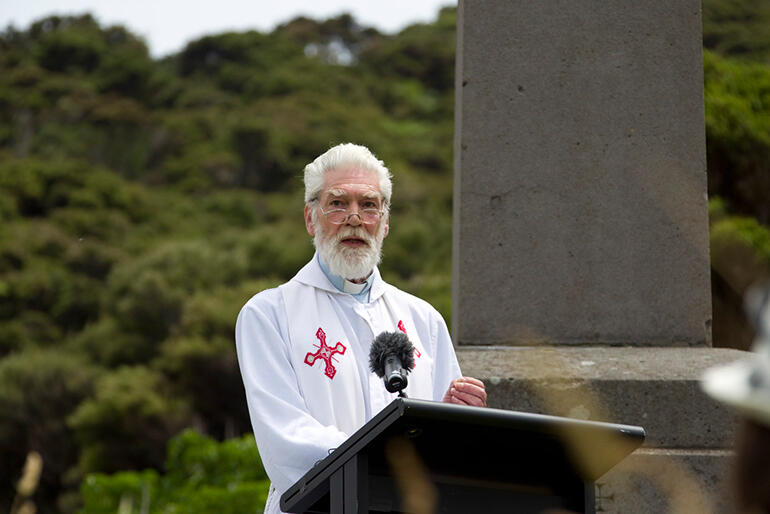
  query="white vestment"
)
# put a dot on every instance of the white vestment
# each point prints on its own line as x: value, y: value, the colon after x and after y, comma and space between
x: 303, y: 350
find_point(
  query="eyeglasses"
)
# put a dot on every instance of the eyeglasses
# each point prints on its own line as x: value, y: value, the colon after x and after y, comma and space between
x: 340, y: 216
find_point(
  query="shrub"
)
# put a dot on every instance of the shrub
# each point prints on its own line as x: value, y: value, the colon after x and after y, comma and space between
x: 39, y: 389
x: 126, y: 424
x: 201, y: 476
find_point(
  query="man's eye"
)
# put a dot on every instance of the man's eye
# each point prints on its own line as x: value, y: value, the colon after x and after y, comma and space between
x: 336, y: 203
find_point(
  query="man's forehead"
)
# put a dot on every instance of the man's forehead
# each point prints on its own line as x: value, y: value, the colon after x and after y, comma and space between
x: 352, y: 180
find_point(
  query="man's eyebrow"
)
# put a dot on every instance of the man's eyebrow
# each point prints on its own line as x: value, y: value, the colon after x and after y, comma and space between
x: 342, y: 193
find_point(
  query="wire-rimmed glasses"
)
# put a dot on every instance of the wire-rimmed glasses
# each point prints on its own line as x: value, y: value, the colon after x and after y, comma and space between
x: 367, y: 216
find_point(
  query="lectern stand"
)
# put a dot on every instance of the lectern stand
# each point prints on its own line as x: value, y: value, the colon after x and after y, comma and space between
x: 478, y: 460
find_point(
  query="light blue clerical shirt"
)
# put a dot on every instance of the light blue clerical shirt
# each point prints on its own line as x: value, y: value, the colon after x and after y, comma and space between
x: 358, y: 291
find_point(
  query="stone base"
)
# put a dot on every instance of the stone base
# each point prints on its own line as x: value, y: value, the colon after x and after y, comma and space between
x: 663, y: 480
x: 682, y: 465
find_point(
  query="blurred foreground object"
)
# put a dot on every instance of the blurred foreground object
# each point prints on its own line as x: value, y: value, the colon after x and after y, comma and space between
x: 745, y: 386
x: 27, y: 485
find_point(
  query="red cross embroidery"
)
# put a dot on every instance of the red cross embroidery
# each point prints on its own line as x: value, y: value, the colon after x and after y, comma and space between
x: 325, y: 353
x: 417, y: 353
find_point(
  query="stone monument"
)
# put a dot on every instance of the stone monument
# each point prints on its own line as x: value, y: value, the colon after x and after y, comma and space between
x: 581, y: 258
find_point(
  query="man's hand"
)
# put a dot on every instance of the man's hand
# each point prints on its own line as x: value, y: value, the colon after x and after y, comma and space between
x: 466, y: 391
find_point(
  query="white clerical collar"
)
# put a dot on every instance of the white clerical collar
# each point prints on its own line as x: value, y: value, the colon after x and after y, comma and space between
x: 353, y: 288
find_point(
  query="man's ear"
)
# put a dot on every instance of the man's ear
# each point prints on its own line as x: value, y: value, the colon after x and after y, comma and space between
x: 309, y: 220
x: 387, y: 226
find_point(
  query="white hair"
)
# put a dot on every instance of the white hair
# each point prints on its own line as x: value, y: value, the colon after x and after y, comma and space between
x: 345, y: 154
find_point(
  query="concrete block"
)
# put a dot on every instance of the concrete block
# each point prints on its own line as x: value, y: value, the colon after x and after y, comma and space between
x: 656, y: 388
x: 663, y: 480
x: 580, y: 175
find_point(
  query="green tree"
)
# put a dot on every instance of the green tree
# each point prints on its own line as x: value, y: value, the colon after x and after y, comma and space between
x: 201, y: 476
x: 127, y: 422
x: 38, y: 390
x: 737, y: 28
x: 206, y: 373
x: 740, y: 257
x: 738, y: 134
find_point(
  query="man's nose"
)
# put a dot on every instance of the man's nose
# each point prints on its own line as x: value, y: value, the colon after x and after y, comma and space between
x: 354, y: 215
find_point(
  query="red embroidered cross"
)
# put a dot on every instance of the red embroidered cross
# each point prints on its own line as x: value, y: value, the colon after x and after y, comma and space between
x: 325, y: 353
x: 417, y: 353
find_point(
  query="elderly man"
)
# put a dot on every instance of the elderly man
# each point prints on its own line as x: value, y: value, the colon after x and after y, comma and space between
x: 303, y: 347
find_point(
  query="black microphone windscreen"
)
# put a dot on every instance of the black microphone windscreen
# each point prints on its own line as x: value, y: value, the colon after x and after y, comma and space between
x: 391, y: 343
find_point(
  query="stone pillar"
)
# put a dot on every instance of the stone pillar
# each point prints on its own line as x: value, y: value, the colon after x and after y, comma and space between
x: 580, y: 259
x: 580, y: 174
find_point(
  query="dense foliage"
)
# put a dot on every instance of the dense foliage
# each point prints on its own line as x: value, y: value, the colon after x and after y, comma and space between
x: 202, y: 476
x: 143, y: 201
x: 737, y: 94
x: 738, y: 28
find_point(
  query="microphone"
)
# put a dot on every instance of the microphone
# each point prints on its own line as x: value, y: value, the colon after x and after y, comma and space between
x: 391, y: 358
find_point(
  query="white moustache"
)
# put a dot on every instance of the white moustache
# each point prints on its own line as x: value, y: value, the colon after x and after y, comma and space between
x: 354, y: 233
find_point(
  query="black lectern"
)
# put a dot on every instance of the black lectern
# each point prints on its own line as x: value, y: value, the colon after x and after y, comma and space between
x: 478, y: 460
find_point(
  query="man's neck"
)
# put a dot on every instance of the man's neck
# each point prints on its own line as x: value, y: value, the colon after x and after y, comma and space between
x: 360, y: 280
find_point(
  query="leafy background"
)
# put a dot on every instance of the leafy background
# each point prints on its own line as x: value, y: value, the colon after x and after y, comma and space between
x: 143, y: 201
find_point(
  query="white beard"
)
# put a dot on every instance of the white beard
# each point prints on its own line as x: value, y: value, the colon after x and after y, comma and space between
x: 349, y: 263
